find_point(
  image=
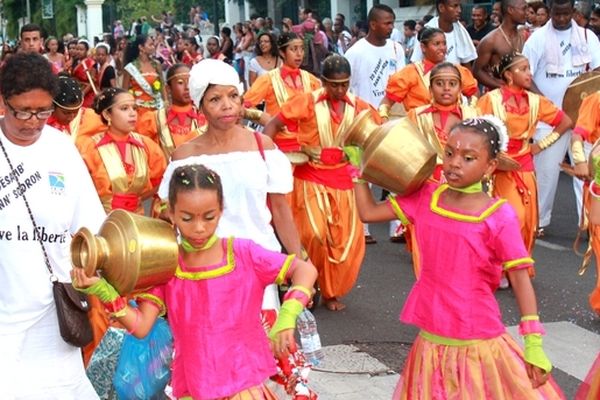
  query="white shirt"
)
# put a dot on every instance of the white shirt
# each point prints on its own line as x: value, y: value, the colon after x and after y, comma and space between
x: 62, y: 197
x: 554, y: 86
x: 453, y: 41
x: 371, y: 66
x: 246, y: 180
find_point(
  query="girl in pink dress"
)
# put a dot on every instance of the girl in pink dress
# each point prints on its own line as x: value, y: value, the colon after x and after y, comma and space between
x: 466, y: 239
x: 214, y: 299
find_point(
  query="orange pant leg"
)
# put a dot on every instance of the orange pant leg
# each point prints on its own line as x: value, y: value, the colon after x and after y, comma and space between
x: 99, y: 320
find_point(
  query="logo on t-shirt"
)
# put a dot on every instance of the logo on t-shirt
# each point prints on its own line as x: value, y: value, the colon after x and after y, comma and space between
x: 57, y: 183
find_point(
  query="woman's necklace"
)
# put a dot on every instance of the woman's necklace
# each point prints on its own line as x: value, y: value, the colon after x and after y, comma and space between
x: 519, y: 47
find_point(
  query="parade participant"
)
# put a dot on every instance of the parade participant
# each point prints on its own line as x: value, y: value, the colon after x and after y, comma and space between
x: 434, y: 122
x: 463, y: 348
x: 558, y: 52
x: 178, y: 124
x: 267, y: 56
x: 521, y: 110
x: 56, y: 59
x: 69, y: 115
x: 373, y: 60
x: 107, y: 76
x: 587, y: 131
x: 460, y: 46
x: 505, y: 39
x: 126, y: 167
x: 236, y: 154
x: 143, y: 76
x: 212, y: 359
x: 214, y: 48
x: 323, y: 199
x: 410, y: 85
x: 256, y: 175
x: 84, y: 72
x: 47, y: 182
x: 280, y: 84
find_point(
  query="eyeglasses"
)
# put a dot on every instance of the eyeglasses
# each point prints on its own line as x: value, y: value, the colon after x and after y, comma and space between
x: 26, y: 115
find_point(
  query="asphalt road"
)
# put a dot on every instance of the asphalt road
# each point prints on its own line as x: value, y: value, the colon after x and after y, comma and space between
x: 371, y: 319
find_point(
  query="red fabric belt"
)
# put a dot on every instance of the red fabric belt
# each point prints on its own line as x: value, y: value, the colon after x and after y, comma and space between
x: 337, y: 178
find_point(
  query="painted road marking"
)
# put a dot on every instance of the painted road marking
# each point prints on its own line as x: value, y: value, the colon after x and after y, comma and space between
x: 571, y: 348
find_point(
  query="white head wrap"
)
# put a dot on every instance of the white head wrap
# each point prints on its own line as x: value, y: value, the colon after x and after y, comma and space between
x: 105, y: 45
x: 214, y: 72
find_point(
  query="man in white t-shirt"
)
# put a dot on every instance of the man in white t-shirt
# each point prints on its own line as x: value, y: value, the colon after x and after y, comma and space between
x: 44, y: 178
x: 558, y: 53
x: 373, y: 59
x: 459, y: 46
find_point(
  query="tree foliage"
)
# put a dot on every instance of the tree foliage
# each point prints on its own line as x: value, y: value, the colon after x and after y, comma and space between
x: 65, y: 16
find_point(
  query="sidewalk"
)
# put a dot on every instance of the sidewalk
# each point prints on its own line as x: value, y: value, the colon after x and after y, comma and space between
x: 349, y: 374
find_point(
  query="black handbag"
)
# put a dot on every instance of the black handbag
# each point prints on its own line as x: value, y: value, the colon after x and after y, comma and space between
x: 72, y: 310
x: 71, y: 305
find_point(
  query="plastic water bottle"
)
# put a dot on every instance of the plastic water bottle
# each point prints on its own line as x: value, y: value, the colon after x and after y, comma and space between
x: 309, y: 337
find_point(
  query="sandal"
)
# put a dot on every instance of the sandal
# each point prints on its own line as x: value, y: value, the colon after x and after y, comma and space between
x: 370, y: 239
x: 540, y: 233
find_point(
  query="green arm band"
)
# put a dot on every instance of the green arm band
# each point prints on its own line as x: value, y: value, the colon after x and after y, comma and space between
x: 290, y: 309
x: 534, y: 353
x: 596, y: 162
x: 354, y: 155
x: 104, y: 290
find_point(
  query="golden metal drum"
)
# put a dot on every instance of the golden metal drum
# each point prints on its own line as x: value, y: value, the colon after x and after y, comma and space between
x: 131, y: 252
x: 396, y: 156
x: 584, y: 85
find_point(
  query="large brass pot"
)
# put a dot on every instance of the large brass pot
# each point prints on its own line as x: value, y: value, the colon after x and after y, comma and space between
x: 396, y: 156
x: 132, y: 252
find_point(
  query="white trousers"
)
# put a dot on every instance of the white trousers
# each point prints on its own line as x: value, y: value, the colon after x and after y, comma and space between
x: 547, y: 171
x: 38, y: 364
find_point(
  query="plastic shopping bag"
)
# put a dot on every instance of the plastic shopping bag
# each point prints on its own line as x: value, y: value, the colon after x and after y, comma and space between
x: 144, y: 367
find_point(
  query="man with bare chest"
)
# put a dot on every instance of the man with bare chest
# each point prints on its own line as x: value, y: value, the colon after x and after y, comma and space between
x: 502, y: 40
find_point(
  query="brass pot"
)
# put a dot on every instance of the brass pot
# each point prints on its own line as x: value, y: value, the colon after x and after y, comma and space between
x: 131, y: 252
x: 396, y: 156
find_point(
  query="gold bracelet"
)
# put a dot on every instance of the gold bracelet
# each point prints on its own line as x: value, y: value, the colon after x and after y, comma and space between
x: 548, y: 140
x: 252, y: 114
x: 578, y: 153
x: 384, y: 111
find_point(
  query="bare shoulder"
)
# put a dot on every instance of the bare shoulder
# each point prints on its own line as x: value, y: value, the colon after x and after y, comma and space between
x: 188, y: 149
x: 488, y: 41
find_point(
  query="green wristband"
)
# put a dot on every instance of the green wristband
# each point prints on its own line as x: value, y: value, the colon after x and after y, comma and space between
x: 353, y: 154
x: 286, y: 319
x: 596, y: 164
x: 103, y: 290
x: 534, y: 353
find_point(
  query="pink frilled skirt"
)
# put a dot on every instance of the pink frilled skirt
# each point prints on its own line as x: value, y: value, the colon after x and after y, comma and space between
x: 261, y: 392
x: 590, y: 388
x: 491, y: 369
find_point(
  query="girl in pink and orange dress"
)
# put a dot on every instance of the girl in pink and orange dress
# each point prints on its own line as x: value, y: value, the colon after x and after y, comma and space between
x: 466, y: 240
x: 214, y: 299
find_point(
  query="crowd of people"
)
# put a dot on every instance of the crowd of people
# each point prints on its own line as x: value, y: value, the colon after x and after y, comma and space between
x: 239, y: 142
